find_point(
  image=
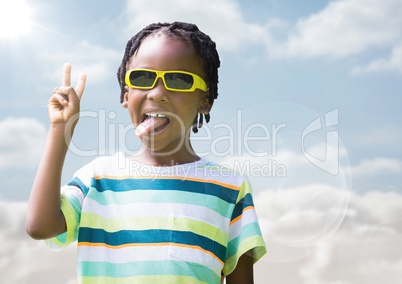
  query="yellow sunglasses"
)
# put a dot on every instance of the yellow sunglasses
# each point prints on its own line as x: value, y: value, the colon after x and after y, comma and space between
x: 173, y: 80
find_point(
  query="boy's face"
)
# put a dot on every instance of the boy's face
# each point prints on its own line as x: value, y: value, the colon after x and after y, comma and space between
x: 168, y: 134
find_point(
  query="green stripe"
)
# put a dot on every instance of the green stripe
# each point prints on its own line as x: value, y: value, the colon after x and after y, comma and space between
x: 248, y: 231
x: 201, y: 228
x: 71, y: 207
x: 71, y: 214
x: 151, y: 268
x: 245, y: 189
x: 254, y: 243
x: 91, y: 220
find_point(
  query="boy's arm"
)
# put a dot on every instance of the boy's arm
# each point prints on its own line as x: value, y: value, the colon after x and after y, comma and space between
x: 243, y: 273
x: 44, y: 217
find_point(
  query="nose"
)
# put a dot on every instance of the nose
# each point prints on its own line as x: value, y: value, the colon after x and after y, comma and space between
x: 158, y: 92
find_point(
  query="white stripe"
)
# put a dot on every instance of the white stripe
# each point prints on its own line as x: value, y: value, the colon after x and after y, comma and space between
x: 119, y: 165
x: 190, y: 211
x: 248, y: 217
x: 148, y: 253
x: 123, y: 255
x: 69, y: 190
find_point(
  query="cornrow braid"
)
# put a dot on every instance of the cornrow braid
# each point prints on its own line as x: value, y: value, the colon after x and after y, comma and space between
x: 203, y: 45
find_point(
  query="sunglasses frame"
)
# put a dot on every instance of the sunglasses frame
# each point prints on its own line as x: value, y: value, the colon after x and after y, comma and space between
x: 198, y: 82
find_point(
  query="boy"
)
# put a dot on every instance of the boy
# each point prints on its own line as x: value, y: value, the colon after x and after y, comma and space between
x: 191, y: 224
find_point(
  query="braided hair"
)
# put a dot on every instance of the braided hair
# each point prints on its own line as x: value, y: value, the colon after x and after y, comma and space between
x: 202, y: 44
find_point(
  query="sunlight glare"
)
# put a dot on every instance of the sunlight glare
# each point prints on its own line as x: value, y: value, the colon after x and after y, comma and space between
x: 14, y: 18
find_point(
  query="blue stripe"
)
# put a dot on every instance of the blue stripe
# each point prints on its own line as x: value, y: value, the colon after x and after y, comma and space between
x: 78, y: 183
x: 123, y: 237
x: 190, y: 238
x: 224, y: 193
x: 150, y: 237
x: 243, y: 203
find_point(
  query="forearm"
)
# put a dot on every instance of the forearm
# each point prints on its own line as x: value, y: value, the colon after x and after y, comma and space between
x: 243, y: 273
x: 44, y: 217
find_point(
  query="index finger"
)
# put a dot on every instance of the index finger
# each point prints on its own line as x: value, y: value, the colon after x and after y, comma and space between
x: 66, y: 82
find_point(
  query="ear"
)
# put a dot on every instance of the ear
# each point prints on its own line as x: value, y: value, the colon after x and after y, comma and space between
x: 205, y: 106
x: 124, y: 104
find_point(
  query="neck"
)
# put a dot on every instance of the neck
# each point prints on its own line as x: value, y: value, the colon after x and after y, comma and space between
x: 163, y: 158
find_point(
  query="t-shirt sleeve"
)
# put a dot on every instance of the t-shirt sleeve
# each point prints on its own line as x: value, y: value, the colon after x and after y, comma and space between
x: 244, y: 231
x: 72, y: 197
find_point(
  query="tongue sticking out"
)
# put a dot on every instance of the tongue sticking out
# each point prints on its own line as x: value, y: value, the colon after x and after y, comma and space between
x: 151, y: 124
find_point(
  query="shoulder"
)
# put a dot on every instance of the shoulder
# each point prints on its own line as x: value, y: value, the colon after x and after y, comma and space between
x: 116, y: 164
x: 221, y: 172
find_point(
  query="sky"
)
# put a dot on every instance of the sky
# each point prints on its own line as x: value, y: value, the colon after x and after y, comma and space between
x: 309, y: 108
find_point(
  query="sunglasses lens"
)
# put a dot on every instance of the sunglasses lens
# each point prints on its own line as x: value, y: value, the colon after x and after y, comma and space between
x: 139, y: 78
x: 179, y: 81
x: 174, y: 80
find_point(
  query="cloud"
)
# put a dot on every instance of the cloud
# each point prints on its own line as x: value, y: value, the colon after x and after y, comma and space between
x: 318, y: 229
x: 24, y: 260
x: 378, y: 166
x: 233, y: 32
x: 94, y: 60
x: 291, y: 167
x: 21, y: 144
x: 344, y: 28
x: 393, y: 63
x: 313, y: 238
x: 379, y: 173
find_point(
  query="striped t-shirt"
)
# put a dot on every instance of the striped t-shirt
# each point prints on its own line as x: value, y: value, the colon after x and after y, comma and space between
x: 141, y: 224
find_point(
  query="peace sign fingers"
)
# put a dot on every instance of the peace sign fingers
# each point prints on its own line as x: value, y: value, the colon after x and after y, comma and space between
x: 66, y: 82
x: 65, y: 102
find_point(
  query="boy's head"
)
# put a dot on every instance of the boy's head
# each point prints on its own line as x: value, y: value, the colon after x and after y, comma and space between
x: 190, y: 33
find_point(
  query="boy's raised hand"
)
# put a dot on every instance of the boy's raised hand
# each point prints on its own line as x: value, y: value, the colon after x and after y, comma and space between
x: 65, y: 102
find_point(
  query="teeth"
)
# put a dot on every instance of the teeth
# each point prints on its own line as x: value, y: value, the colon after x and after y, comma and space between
x: 155, y: 115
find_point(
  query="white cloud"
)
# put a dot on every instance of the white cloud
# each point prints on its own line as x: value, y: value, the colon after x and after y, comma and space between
x: 393, y: 63
x: 308, y: 244
x: 378, y: 166
x: 290, y: 167
x: 23, y: 260
x: 94, y: 60
x: 343, y: 28
x: 222, y: 20
x: 318, y: 230
x: 22, y: 141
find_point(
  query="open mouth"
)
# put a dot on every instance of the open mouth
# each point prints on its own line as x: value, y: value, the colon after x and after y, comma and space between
x: 152, y: 123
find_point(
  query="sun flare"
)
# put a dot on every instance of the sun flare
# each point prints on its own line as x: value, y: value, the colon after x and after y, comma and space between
x: 14, y: 18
